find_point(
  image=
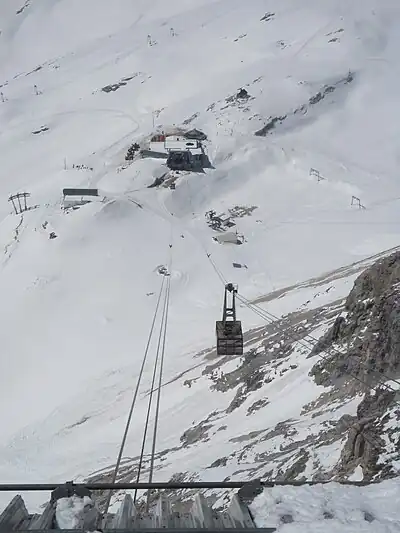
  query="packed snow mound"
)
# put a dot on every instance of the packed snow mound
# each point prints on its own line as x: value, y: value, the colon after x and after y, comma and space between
x: 330, y: 508
x: 300, y: 105
x: 75, y: 512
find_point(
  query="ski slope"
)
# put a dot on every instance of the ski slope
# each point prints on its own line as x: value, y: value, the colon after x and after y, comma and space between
x: 76, y: 310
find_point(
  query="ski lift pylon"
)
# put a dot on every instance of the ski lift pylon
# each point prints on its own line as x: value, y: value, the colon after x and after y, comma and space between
x: 229, y: 330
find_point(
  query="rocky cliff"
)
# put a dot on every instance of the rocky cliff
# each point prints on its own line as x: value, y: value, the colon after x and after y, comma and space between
x: 361, y: 354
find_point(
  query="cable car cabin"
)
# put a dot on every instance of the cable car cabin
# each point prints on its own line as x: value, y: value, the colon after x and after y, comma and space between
x: 229, y: 330
x: 229, y: 338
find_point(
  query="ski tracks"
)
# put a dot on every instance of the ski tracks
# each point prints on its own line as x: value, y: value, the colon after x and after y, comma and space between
x: 10, y: 248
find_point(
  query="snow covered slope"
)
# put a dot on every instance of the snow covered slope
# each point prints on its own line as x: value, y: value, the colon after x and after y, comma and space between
x: 76, y: 310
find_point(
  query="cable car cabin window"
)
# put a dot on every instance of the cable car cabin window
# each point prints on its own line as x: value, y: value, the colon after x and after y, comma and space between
x: 229, y: 339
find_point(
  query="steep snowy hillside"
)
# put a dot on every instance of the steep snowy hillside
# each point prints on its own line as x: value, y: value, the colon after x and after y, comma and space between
x: 305, y: 164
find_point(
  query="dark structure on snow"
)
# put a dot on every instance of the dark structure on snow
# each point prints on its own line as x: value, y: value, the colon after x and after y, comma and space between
x: 229, y: 330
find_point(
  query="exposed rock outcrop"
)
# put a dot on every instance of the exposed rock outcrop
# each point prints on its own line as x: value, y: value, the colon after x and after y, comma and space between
x: 361, y: 353
x: 364, y: 346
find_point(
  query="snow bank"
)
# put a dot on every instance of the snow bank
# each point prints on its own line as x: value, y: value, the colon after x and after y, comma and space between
x: 330, y: 508
x: 73, y: 512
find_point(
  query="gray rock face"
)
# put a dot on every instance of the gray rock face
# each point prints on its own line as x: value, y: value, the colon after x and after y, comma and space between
x: 360, y: 353
x: 365, y: 444
x: 365, y: 346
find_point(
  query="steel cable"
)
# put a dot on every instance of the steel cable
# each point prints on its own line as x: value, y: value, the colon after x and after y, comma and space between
x: 160, y: 376
x: 150, y: 401
x: 128, y: 422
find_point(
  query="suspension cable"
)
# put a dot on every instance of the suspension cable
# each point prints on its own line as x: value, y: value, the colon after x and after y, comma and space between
x: 128, y: 422
x: 152, y: 390
x: 269, y: 317
x: 159, y: 388
x: 160, y: 350
x: 213, y: 264
x: 217, y: 270
x: 160, y: 376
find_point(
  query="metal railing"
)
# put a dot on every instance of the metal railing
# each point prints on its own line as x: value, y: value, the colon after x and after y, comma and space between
x: 27, y: 487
